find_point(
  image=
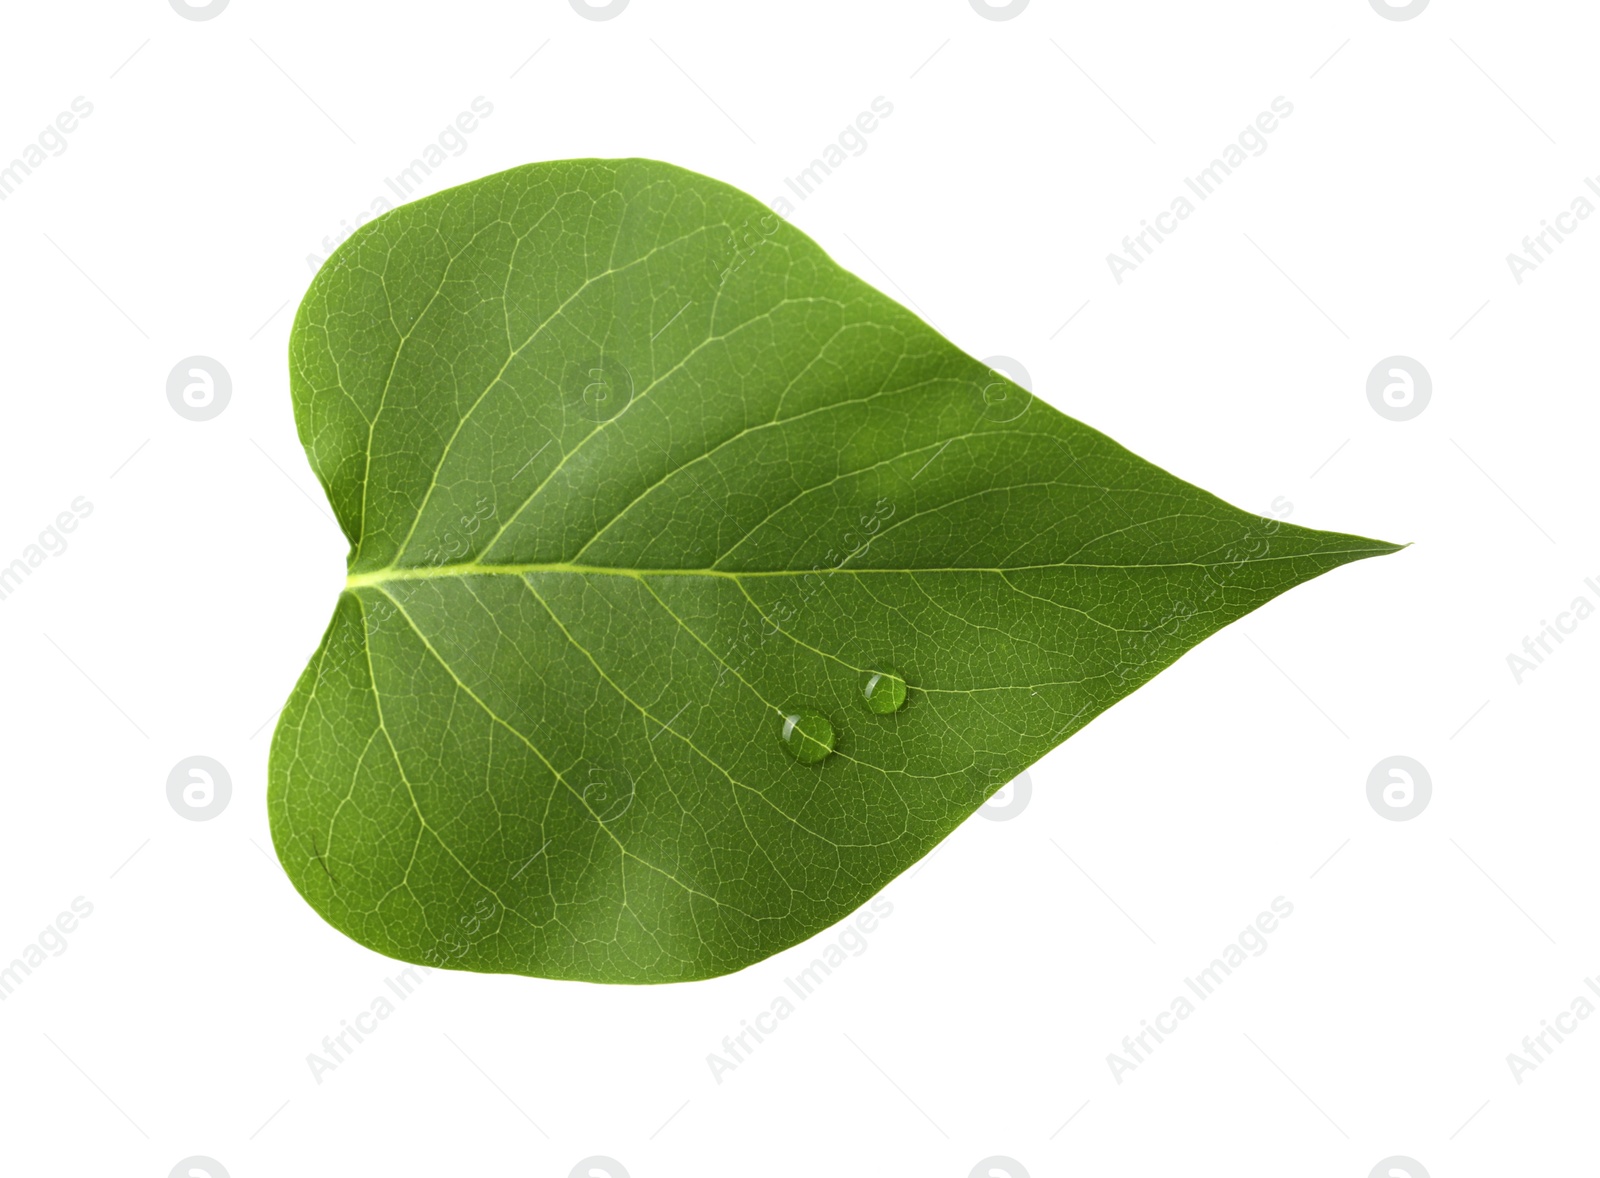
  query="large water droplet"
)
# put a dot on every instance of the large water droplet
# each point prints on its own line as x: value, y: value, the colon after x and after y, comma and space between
x: 807, y: 735
x: 883, y: 692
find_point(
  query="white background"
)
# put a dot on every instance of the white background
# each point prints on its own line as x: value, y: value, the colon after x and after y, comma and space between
x: 178, y: 221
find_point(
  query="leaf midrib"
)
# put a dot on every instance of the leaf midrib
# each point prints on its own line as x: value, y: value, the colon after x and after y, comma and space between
x: 474, y: 569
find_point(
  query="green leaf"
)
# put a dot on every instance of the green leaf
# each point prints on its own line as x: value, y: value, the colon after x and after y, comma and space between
x: 642, y: 492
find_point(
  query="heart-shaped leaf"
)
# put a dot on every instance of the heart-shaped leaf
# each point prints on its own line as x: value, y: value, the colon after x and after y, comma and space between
x: 696, y: 588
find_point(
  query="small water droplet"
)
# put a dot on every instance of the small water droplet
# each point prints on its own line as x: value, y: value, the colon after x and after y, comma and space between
x: 883, y: 692
x: 807, y: 735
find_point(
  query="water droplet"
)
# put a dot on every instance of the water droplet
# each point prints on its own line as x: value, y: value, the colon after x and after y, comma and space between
x: 807, y: 735
x: 883, y: 691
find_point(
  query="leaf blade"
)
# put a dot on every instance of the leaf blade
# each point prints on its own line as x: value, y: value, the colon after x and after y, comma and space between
x: 618, y: 502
